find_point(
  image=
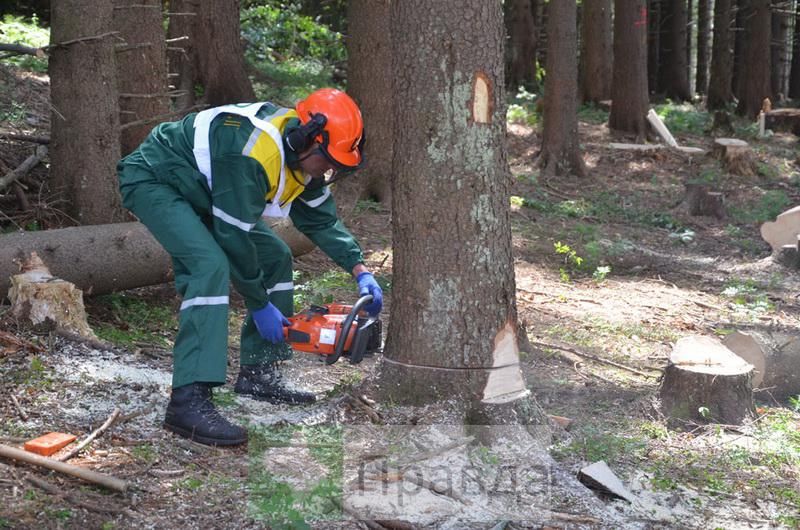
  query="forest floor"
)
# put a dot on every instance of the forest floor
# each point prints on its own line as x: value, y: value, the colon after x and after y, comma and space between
x: 649, y: 275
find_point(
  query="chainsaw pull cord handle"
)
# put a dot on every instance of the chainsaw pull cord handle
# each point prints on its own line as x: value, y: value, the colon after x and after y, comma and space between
x: 346, y: 325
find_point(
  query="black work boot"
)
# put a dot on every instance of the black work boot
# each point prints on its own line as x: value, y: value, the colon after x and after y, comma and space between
x: 265, y: 381
x: 191, y: 414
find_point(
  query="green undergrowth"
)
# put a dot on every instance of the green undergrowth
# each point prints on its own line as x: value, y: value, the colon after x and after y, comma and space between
x: 27, y: 32
x: 129, y: 320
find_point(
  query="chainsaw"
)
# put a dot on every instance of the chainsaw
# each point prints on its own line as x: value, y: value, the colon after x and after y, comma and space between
x: 333, y: 330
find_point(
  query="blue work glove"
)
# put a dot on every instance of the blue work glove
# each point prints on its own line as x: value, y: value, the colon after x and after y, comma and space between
x: 270, y: 322
x: 368, y: 285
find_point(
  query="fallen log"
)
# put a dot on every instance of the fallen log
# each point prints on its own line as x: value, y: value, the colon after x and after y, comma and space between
x: 706, y: 382
x: 88, y: 475
x: 101, y: 259
x: 783, y: 120
x: 775, y: 356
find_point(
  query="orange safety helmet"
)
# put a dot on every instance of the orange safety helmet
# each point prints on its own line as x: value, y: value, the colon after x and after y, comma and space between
x: 341, y: 138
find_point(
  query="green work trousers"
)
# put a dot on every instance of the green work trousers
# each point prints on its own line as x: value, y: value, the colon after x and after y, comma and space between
x: 202, y: 278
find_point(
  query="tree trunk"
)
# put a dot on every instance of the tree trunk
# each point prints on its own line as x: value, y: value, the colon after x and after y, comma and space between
x: 215, y: 52
x: 105, y: 258
x: 369, y: 82
x: 654, y: 37
x: 774, y: 354
x: 703, y: 45
x: 453, y: 334
x: 779, y: 52
x: 720, y: 89
x: 141, y: 67
x: 521, y: 50
x: 674, y: 67
x: 736, y: 156
x: 706, y: 382
x: 756, y: 60
x: 560, y: 152
x: 794, y: 76
x: 181, y: 51
x: 596, y: 51
x: 629, y: 85
x: 84, y: 138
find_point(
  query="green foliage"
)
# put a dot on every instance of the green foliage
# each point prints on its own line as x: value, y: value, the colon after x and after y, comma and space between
x: 591, y: 113
x: 683, y: 118
x: 748, y: 295
x: 322, y: 290
x: 135, y: 320
x: 292, y: 53
x: 765, y: 208
x: 28, y: 32
x: 368, y: 205
x: 522, y: 108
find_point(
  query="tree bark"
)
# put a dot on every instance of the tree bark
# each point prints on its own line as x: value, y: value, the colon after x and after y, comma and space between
x: 736, y: 156
x: 720, y: 89
x: 369, y: 82
x: 141, y: 67
x: 560, y: 153
x: 740, y: 43
x: 521, y: 49
x: 703, y: 45
x: 756, y: 60
x: 453, y: 334
x: 674, y: 66
x: 655, y: 33
x: 629, y: 85
x: 216, y: 65
x: 181, y: 51
x: 84, y: 141
x: 596, y: 51
x: 794, y: 76
x: 779, y: 52
x: 105, y: 258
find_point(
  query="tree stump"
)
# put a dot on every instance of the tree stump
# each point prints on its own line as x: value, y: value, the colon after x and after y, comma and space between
x: 775, y: 356
x: 784, y: 231
x: 783, y: 120
x: 43, y: 300
x: 702, y: 201
x: 736, y: 156
x: 706, y: 382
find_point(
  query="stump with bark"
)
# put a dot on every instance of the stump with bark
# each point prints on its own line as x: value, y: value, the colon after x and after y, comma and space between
x: 783, y: 120
x: 775, y: 356
x: 706, y: 382
x: 47, y: 302
x: 703, y: 201
x: 735, y: 155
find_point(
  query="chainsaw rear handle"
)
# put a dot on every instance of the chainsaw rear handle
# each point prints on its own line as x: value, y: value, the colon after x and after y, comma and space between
x: 341, y: 340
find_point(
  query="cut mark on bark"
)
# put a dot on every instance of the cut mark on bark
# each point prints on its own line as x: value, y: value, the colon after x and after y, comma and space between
x: 481, y: 99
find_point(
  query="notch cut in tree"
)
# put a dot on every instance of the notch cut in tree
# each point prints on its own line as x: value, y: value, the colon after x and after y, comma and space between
x: 101, y: 259
x: 38, y: 298
x: 706, y: 382
x: 703, y: 201
x: 735, y: 155
x: 775, y: 356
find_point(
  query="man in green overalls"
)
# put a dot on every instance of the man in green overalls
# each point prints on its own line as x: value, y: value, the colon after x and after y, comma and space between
x: 201, y: 186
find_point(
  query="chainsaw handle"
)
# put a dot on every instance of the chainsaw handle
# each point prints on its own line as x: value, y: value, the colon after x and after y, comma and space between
x: 346, y: 325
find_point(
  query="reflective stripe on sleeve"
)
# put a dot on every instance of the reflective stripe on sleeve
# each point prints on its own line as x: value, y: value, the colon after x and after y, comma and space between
x: 283, y: 286
x: 319, y: 200
x: 204, y: 300
x: 232, y: 220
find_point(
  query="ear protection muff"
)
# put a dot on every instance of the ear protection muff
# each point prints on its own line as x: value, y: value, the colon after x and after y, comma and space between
x: 302, y: 137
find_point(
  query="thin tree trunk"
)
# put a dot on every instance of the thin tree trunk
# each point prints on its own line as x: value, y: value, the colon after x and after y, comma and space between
x: 453, y: 332
x: 369, y: 82
x: 703, y: 45
x: 629, y: 86
x: 756, y: 85
x: 779, y: 52
x: 141, y: 67
x: 560, y: 152
x: 720, y: 90
x: 596, y: 51
x: 84, y: 140
x: 521, y: 49
x: 675, y: 69
x: 794, y: 76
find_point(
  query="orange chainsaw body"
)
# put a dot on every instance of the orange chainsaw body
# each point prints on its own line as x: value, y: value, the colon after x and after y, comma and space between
x: 316, y: 330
